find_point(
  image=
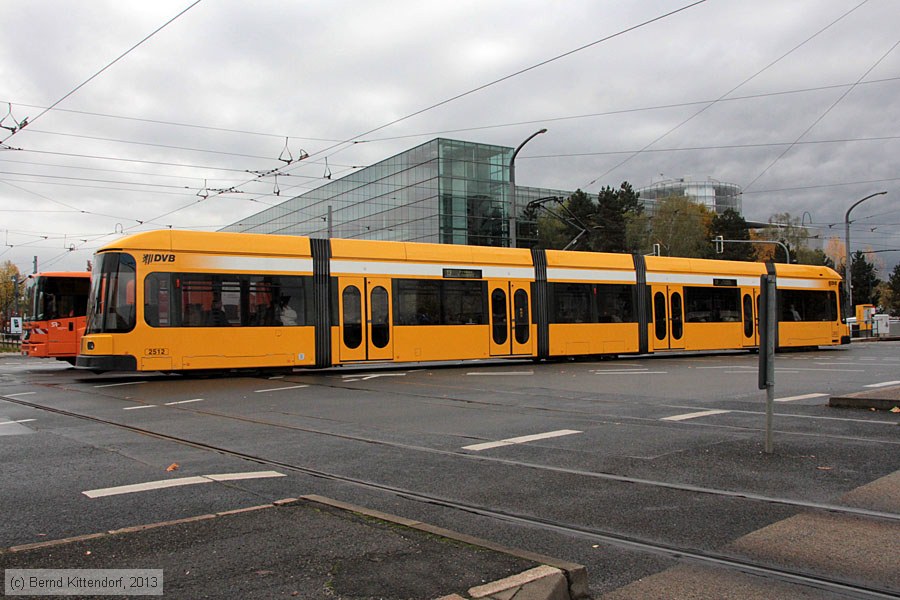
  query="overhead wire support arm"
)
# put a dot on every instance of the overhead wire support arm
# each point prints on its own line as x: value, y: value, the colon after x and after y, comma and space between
x: 787, y: 253
x: 571, y: 220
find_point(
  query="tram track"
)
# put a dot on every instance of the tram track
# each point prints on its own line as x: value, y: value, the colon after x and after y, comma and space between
x: 623, y: 541
x: 682, y: 487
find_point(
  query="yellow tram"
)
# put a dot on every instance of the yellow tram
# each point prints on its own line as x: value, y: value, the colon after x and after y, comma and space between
x: 182, y: 300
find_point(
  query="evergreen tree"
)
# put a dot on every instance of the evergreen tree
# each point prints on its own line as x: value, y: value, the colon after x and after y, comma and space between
x: 613, y: 210
x: 894, y: 284
x: 732, y: 226
x: 864, y: 278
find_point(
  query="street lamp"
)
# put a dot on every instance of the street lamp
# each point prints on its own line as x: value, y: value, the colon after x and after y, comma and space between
x: 847, y: 248
x: 513, y: 207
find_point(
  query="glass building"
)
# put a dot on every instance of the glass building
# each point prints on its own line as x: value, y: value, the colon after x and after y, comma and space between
x: 715, y: 195
x: 444, y: 191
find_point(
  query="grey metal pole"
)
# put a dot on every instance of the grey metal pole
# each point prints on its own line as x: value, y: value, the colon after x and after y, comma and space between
x: 771, y: 326
x: 513, y: 205
x: 847, y: 280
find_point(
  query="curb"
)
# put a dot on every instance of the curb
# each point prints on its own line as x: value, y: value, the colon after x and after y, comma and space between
x: 553, y: 580
x: 886, y: 399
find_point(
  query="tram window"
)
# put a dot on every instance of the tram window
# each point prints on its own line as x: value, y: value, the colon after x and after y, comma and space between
x: 112, y: 302
x: 433, y: 302
x: 212, y: 300
x: 677, y: 321
x: 615, y: 303
x: 352, y: 317
x: 712, y: 305
x: 418, y: 302
x: 571, y: 303
x: 592, y: 303
x: 157, y: 300
x: 462, y: 303
x: 522, y: 319
x: 807, y: 305
x: 381, y: 326
x: 498, y: 316
x: 748, y: 316
x: 659, y: 315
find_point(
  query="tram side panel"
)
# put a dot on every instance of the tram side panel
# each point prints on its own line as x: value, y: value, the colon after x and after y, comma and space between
x: 593, y: 303
x: 808, y: 311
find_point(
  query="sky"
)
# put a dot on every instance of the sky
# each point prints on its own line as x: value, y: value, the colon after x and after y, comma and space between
x: 175, y: 113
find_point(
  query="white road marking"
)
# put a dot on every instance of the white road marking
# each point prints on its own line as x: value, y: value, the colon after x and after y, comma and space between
x: 19, y: 421
x: 184, y: 401
x: 628, y: 372
x: 370, y: 376
x: 882, y: 384
x: 118, y: 384
x: 21, y: 394
x: 694, y: 415
x: 168, y: 483
x: 494, y: 373
x: 829, y: 370
x: 279, y: 389
x: 139, y: 407
x: 808, y: 417
x: 803, y: 397
x: 521, y: 440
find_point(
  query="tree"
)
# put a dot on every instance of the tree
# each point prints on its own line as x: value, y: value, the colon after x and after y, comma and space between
x: 836, y: 251
x: 864, y: 279
x: 600, y: 225
x: 892, y: 304
x: 732, y: 226
x: 818, y: 257
x: 681, y: 227
x: 8, y: 299
x: 581, y: 214
x: 613, y: 209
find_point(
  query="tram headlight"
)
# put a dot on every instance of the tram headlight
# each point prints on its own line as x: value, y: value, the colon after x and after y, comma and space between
x: 90, y: 345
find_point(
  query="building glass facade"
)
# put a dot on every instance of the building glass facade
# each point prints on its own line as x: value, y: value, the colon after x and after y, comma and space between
x: 715, y: 195
x: 444, y: 191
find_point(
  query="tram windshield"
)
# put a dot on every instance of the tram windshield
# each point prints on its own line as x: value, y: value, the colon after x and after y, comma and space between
x: 56, y: 297
x: 111, y: 303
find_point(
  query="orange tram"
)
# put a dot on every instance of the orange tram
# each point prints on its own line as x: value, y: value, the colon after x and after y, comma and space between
x: 57, y: 304
x: 180, y: 300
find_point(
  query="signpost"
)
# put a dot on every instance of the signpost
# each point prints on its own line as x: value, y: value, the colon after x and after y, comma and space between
x: 767, y: 334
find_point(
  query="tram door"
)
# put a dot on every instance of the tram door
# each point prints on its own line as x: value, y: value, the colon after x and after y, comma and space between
x: 750, y: 316
x: 365, y: 318
x: 668, y: 317
x: 510, y: 308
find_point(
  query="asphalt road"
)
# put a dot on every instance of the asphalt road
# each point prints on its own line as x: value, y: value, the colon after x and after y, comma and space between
x: 665, y: 450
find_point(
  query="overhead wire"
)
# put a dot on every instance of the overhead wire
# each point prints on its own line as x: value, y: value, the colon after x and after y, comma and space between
x: 726, y: 94
x: 823, y: 115
x: 98, y: 73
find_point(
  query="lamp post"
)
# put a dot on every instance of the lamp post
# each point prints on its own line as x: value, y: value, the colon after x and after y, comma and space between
x: 513, y: 207
x: 15, y: 286
x: 847, y: 281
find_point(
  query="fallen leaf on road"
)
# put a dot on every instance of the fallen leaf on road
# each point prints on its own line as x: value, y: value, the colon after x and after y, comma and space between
x: 172, y: 467
x: 824, y: 468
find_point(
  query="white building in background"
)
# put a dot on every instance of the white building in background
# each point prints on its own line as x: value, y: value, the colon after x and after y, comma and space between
x: 716, y: 195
